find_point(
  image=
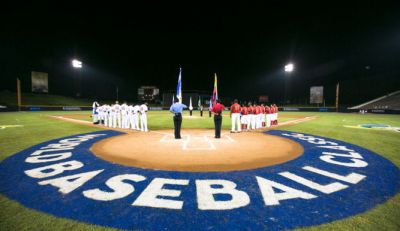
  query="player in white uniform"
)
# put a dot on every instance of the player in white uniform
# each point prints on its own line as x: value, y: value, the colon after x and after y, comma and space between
x: 100, y: 114
x: 143, y: 117
x: 105, y: 114
x: 124, y: 115
x: 117, y: 115
x: 135, y: 111
x: 130, y: 123
x: 95, y: 105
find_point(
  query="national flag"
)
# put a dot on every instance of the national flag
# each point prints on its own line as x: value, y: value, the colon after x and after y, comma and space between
x: 199, y: 102
x: 190, y: 104
x: 179, y: 86
x: 215, y: 91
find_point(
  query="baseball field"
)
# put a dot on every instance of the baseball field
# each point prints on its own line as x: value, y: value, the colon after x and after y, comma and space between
x: 21, y: 130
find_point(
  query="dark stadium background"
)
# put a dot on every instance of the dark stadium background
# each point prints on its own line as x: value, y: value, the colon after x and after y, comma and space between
x: 129, y: 46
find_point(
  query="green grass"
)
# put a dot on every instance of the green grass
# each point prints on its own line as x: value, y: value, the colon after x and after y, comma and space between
x: 158, y: 120
x: 39, y: 128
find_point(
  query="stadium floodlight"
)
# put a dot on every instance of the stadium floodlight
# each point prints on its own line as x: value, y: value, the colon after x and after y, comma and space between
x: 76, y: 63
x: 289, y: 67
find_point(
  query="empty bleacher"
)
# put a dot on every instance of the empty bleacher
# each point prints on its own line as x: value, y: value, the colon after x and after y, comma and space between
x: 387, y: 102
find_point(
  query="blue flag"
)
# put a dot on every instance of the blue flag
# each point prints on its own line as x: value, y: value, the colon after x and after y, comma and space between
x: 179, y: 86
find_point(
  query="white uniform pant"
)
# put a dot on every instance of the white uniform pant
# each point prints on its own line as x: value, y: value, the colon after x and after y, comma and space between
x: 108, y: 119
x: 118, y: 120
x: 258, y: 121
x: 94, y: 118
x: 253, y: 121
x: 134, y: 121
x: 243, y: 119
x: 143, y: 122
x: 247, y: 121
x: 268, y: 120
x: 273, y: 117
x: 124, y: 117
x: 235, y: 120
x: 114, y: 120
x: 262, y: 119
x: 105, y: 116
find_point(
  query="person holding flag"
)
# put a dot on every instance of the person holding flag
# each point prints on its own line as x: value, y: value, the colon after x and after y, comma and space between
x: 190, y: 106
x: 177, y: 108
x: 217, y: 110
x: 200, y: 107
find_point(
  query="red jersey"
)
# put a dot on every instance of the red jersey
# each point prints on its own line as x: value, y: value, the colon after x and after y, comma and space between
x: 218, y: 108
x: 235, y: 108
x: 267, y: 110
x: 250, y: 110
x: 257, y: 110
x: 245, y: 111
x: 262, y: 109
x: 272, y: 109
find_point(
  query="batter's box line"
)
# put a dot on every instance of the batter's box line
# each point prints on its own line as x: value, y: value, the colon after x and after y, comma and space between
x: 211, y: 146
x: 228, y: 139
x: 171, y: 138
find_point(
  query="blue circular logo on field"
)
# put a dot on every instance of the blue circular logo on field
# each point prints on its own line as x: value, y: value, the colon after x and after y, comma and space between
x: 330, y: 181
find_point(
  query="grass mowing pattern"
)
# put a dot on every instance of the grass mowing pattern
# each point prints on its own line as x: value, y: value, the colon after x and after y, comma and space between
x: 38, y: 127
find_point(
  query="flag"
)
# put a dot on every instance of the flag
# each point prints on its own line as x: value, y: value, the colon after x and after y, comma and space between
x: 199, y: 102
x: 215, y: 91
x: 190, y: 104
x: 179, y: 86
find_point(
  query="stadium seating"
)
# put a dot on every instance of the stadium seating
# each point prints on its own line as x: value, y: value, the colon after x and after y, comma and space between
x: 387, y: 102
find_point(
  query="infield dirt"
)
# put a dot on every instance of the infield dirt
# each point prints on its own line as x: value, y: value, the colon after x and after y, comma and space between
x: 197, y: 151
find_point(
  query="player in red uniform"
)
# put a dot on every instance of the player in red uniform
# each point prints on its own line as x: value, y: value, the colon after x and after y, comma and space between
x: 252, y: 117
x: 217, y: 110
x: 262, y: 115
x: 245, y: 117
x: 257, y: 114
x: 276, y: 114
x: 235, y: 117
x: 268, y: 116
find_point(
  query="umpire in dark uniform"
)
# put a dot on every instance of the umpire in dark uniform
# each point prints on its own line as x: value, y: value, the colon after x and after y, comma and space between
x: 177, y: 109
x: 217, y: 110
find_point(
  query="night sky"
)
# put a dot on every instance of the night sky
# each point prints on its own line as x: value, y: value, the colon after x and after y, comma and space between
x: 246, y: 45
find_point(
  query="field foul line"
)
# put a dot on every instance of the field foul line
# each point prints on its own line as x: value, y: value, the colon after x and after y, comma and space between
x: 73, y: 120
x: 298, y: 120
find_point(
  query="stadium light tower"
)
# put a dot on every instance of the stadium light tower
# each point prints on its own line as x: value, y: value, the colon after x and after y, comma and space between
x: 76, y: 64
x: 288, y: 69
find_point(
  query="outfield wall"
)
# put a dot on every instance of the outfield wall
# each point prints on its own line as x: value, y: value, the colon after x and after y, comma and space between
x: 158, y: 108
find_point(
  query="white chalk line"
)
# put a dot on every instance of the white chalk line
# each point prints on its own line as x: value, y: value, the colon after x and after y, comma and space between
x: 70, y: 119
x: 188, y: 139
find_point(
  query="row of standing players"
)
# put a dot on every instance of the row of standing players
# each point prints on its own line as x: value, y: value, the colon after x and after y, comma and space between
x: 121, y: 116
x: 243, y: 118
x: 252, y: 116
